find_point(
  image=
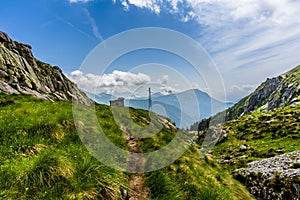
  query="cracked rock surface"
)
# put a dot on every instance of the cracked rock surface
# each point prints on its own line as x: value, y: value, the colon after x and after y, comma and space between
x: 273, y: 178
x: 22, y: 73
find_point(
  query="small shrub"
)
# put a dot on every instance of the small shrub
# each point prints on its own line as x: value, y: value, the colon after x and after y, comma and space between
x: 211, y: 191
x: 47, y: 170
x: 296, y: 165
x: 6, y: 102
x: 162, y: 187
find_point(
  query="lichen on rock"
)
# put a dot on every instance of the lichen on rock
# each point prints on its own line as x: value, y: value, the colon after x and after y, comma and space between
x: 273, y: 178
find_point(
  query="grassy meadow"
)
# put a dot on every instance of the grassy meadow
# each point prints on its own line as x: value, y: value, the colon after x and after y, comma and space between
x: 264, y: 133
x: 42, y: 157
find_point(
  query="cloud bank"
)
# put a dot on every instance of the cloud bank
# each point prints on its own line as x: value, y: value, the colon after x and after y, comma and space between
x: 108, y: 83
x: 217, y: 12
x: 249, y: 40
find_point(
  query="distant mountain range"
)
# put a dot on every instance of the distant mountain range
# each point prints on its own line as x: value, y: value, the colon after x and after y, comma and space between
x: 21, y: 72
x: 264, y: 124
x: 182, y: 108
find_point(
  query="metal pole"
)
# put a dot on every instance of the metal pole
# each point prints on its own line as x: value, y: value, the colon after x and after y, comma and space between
x: 150, y: 100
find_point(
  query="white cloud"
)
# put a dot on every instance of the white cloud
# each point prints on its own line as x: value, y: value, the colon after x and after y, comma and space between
x: 76, y: 73
x: 117, y: 80
x: 153, y: 5
x: 250, y: 24
x: 125, y: 5
x: 165, y: 90
x: 247, y: 25
x: 213, y: 12
x: 249, y: 40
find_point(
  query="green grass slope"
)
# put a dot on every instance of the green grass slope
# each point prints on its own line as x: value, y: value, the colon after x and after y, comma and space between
x: 42, y: 157
x: 264, y: 133
x: 193, y: 178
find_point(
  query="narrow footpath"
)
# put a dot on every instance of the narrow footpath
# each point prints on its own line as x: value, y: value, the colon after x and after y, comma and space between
x: 137, y: 189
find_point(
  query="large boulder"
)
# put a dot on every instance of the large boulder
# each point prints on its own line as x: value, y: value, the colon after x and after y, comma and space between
x: 273, y: 178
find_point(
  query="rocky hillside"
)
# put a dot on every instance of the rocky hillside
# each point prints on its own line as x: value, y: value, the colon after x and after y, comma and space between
x: 22, y: 73
x: 273, y: 178
x: 259, y: 141
x: 273, y: 93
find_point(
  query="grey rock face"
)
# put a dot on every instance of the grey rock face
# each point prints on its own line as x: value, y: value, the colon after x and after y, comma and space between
x: 243, y: 147
x: 4, y: 87
x: 273, y: 93
x: 21, y: 73
x: 273, y: 178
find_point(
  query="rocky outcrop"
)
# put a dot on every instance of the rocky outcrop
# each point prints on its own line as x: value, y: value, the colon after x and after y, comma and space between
x: 273, y: 93
x: 21, y: 73
x: 276, y: 177
x: 273, y: 178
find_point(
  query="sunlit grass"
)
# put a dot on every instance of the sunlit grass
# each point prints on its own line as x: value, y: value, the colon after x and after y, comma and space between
x: 192, y: 177
x: 266, y: 134
x: 42, y: 157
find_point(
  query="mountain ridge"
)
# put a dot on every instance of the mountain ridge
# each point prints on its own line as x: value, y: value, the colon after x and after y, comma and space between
x: 22, y: 73
x: 258, y: 136
x: 273, y: 93
x: 179, y: 107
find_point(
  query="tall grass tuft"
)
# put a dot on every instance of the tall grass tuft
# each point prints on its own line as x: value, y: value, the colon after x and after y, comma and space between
x: 47, y: 169
x: 42, y: 157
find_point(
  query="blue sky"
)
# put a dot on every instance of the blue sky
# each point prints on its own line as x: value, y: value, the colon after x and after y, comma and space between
x: 248, y: 40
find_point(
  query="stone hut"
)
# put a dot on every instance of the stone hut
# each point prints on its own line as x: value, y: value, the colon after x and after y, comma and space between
x: 118, y: 102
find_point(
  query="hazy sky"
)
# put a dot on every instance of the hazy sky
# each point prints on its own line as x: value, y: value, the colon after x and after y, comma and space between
x: 248, y: 40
